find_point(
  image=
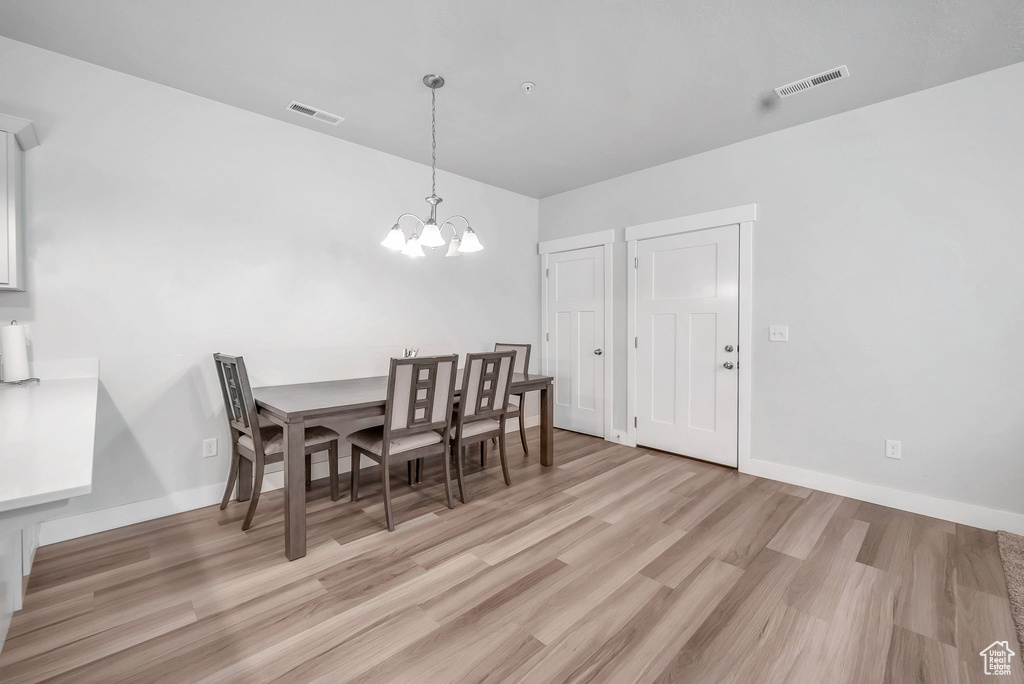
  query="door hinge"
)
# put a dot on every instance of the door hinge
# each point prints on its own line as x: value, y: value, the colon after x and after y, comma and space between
x: 636, y: 262
x: 547, y: 272
x: 636, y: 343
x: 547, y: 337
x: 634, y: 421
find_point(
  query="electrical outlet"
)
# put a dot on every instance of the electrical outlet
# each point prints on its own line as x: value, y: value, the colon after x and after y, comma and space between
x: 209, y: 448
x: 893, y: 449
x: 778, y: 333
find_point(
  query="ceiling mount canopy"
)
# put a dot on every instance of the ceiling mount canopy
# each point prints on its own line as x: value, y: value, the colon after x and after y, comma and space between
x: 429, y: 233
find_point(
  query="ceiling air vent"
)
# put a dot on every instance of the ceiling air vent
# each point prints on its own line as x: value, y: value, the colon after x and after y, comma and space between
x: 813, y: 81
x: 315, y: 113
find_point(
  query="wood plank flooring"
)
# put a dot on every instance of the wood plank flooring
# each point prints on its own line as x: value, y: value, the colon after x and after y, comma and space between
x: 618, y: 565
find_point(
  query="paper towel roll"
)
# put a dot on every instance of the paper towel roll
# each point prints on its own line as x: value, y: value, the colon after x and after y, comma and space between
x: 13, y: 353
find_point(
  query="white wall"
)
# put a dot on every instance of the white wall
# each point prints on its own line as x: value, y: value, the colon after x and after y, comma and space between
x: 163, y: 227
x: 890, y: 239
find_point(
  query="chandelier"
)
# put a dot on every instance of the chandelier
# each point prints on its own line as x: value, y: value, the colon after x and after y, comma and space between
x: 428, y: 233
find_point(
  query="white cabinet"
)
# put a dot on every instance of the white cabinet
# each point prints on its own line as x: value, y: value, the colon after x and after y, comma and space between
x: 16, y: 136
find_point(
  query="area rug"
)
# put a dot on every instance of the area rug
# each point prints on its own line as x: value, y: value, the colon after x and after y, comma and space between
x: 1011, y: 550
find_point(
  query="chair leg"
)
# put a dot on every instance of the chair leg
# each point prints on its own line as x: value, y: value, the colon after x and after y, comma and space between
x: 257, y: 488
x: 309, y: 471
x: 522, y: 433
x: 504, y: 461
x: 332, y: 462
x: 483, y: 454
x: 354, y: 474
x: 244, y: 479
x: 460, y: 452
x: 232, y: 476
x: 385, y: 477
x: 447, y: 458
x: 419, y: 470
x: 408, y: 468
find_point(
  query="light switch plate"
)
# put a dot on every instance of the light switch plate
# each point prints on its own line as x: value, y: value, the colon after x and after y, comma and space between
x: 778, y: 333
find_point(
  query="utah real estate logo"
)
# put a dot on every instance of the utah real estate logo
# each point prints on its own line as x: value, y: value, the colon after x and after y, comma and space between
x: 997, y: 658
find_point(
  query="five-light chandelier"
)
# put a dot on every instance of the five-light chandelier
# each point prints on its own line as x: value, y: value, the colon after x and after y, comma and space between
x: 429, y: 233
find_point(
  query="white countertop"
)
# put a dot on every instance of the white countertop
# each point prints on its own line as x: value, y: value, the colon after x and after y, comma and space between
x: 47, y: 440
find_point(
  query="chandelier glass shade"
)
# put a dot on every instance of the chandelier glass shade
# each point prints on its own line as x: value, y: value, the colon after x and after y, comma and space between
x: 470, y: 242
x: 428, y: 233
x: 413, y: 247
x: 395, y: 238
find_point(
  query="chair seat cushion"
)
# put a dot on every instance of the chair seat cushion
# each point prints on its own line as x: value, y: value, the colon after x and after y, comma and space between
x: 273, y: 438
x: 478, y: 427
x: 372, y: 439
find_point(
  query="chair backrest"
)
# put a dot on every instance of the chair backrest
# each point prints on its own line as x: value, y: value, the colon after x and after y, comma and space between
x: 486, y: 381
x: 522, y: 351
x: 421, y: 393
x: 238, y: 399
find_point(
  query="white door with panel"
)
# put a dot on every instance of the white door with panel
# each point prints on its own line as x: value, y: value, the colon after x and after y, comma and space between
x: 687, y: 333
x: 575, y: 345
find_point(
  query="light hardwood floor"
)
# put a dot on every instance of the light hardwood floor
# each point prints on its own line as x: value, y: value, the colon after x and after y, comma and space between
x: 618, y: 565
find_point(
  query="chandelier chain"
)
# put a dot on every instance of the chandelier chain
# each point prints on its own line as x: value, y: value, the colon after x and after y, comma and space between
x: 433, y: 141
x: 430, y: 230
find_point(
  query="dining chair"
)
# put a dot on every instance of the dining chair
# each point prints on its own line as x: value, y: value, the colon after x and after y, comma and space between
x: 417, y: 421
x: 262, y: 444
x: 483, y: 408
x: 517, y: 402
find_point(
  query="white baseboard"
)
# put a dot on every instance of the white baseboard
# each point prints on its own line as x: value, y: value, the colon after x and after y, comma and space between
x: 61, y: 529
x: 531, y: 421
x: 72, y: 527
x: 619, y: 437
x: 923, y: 504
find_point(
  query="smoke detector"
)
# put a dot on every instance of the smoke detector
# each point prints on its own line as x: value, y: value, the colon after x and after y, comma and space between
x: 314, y: 113
x: 812, y: 81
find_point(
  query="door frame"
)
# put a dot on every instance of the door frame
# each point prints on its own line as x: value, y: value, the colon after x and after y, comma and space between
x: 745, y: 216
x: 601, y: 238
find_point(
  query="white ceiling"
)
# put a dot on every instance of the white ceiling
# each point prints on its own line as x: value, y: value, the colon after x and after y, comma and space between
x: 621, y: 85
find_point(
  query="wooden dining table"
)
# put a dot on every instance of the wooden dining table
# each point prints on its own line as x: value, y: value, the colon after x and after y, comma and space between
x: 293, y: 406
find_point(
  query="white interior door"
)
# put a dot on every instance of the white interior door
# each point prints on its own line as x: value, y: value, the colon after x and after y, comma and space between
x: 687, y: 335
x: 575, y: 346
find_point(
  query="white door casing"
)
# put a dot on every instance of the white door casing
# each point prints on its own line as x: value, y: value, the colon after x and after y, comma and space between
x: 575, y: 304
x: 5, y: 224
x: 687, y: 330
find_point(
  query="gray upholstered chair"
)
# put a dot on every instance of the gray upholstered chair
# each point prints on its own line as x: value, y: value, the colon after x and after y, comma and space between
x: 417, y: 420
x: 483, y: 408
x: 261, y: 444
x: 517, y: 402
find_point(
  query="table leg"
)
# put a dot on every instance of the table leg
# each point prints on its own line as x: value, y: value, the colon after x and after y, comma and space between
x: 244, y: 479
x: 294, y: 490
x: 547, y: 426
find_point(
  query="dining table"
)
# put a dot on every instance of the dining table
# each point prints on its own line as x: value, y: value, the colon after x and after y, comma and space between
x: 293, y: 406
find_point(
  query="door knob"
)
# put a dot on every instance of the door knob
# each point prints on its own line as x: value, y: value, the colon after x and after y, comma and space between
x: 599, y: 351
x: 728, y: 365
x: 728, y: 347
